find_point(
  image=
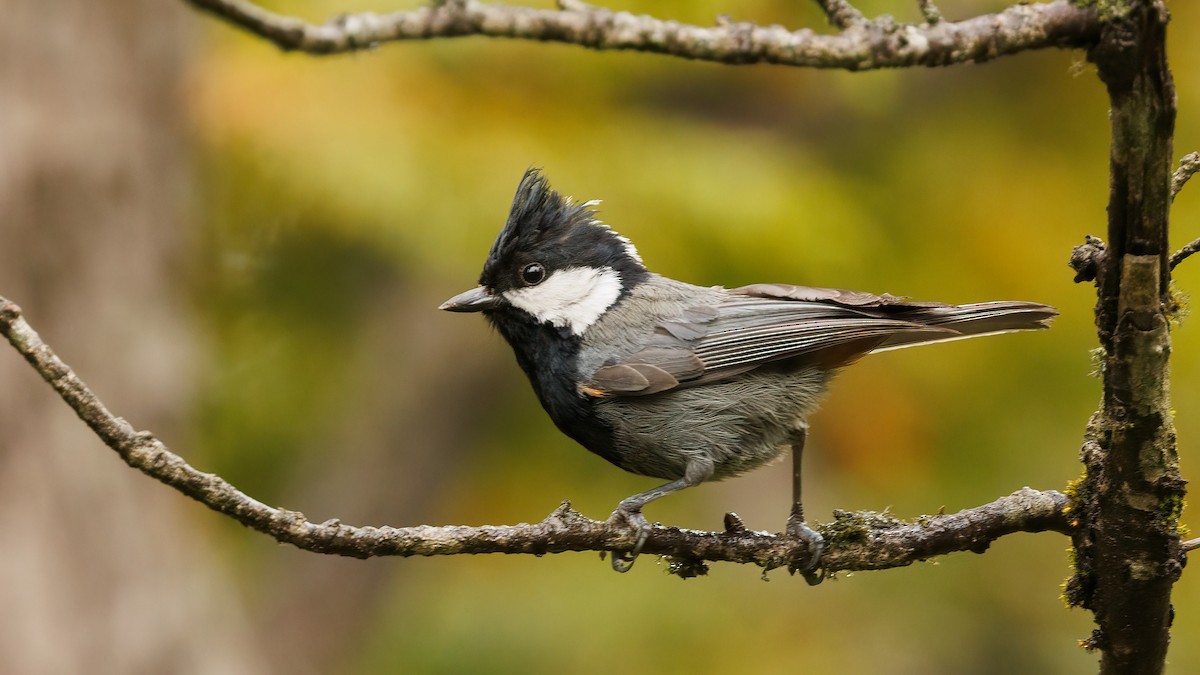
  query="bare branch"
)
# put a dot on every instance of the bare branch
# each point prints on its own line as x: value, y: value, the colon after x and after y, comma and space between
x: 930, y: 11
x: 1184, y: 253
x: 841, y: 13
x: 857, y: 541
x: 866, y: 45
x: 1188, y: 165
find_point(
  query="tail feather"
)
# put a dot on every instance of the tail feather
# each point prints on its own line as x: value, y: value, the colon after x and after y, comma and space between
x: 972, y: 320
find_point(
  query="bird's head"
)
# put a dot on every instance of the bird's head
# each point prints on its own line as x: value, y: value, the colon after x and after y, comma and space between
x: 553, y: 261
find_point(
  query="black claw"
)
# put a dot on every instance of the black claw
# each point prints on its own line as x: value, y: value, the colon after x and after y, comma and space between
x: 813, y: 578
x: 623, y: 562
x: 816, y: 548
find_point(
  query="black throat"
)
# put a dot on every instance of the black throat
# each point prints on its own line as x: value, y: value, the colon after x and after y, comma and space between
x: 550, y: 358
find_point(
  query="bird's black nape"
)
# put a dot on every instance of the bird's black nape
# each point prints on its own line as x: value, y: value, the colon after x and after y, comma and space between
x: 547, y: 227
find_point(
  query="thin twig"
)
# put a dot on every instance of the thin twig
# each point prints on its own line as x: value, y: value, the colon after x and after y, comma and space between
x: 1190, y: 545
x: 1184, y: 253
x: 930, y: 11
x: 1188, y: 165
x: 841, y: 13
x: 870, y: 45
x: 857, y: 541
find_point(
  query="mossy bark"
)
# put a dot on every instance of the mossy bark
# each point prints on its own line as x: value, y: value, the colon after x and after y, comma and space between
x: 1128, y: 552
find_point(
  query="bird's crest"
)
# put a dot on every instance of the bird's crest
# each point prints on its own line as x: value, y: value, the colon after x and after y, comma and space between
x: 539, y: 214
x: 542, y: 218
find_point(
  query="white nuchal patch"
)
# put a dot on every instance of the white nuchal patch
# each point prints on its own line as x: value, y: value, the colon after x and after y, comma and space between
x: 574, y: 297
x: 630, y: 249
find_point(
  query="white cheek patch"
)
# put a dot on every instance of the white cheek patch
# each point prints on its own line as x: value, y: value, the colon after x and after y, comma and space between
x: 574, y: 297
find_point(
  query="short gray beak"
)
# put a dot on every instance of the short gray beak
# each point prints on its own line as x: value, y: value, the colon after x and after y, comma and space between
x: 475, y: 300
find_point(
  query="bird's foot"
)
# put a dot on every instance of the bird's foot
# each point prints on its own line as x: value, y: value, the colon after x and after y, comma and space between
x: 797, y: 528
x: 632, y: 518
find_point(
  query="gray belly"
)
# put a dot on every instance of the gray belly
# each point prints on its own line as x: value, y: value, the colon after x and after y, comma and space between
x: 736, y: 425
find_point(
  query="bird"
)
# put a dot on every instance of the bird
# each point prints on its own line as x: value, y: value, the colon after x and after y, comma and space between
x: 681, y: 382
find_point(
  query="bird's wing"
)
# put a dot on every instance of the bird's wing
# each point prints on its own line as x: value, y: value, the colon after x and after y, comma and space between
x: 754, y: 325
x: 763, y: 323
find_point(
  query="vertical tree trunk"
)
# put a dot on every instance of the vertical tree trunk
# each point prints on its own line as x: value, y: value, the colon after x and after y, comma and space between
x: 1128, y: 552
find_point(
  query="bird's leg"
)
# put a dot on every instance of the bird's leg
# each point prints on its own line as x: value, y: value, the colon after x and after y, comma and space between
x: 630, y: 510
x: 796, y: 526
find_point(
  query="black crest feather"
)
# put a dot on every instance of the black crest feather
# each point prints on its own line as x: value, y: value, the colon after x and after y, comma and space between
x: 545, y: 226
x: 538, y: 214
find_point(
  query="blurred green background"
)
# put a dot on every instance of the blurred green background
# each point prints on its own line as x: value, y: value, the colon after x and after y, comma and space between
x: 335, y: 202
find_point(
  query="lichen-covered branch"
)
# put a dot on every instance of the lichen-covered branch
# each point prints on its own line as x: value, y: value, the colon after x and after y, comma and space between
x: 857, y: 541
x: 841, y: 13
x: 862, y: 45
x: 930, y: 11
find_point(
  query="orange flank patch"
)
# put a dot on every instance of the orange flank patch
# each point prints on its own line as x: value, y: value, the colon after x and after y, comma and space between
x: 591, y: 391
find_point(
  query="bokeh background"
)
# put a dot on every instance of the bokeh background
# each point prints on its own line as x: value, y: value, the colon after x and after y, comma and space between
x: 243, y: 250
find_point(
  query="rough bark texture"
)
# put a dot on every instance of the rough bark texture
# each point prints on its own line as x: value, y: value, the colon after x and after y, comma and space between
x: 1129, y: 500
x: 861, y: 45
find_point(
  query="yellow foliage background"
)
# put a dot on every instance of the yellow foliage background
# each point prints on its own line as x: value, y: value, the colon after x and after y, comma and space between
x: 341, y: 199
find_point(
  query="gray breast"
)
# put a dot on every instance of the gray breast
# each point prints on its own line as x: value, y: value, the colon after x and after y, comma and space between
x: 736, y: 424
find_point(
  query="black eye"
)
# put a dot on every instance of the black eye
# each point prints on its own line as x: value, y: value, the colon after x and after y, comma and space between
x: 533, y: 274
